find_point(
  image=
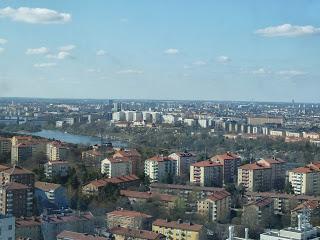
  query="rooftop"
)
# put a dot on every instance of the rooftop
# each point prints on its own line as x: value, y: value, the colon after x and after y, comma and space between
x: 78, y: 236
x: 135, y: 233
x: 178, y: 225
x: 45, y: 186
x: 128, y: 213
x: 207, y: 163
x: 148, y: 195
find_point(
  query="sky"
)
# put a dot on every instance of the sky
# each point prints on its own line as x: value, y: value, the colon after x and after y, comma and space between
x: 248, y: 50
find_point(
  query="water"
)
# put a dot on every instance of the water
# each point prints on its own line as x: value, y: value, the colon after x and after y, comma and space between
x: 72, y: 138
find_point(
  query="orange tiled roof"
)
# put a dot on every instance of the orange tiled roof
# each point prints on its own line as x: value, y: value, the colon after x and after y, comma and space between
x: 207, y: 163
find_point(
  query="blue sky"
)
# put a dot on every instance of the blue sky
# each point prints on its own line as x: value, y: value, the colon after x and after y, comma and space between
x: 168, y: 49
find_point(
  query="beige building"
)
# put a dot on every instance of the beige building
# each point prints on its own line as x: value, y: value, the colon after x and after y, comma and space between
x: 56, y: 151
x: 178, y: 230
x: 231, y: 162
x: 128, y: 219
x: 69, y: 235
x: 206, y: 174
x: 216, y: 207
x: 255, y: 177
x: 158, y: 168
x: 18, y: 174
x: 134, y: 156
x: 257, y: 211
x: 306, y: 180
x: 115, y: 167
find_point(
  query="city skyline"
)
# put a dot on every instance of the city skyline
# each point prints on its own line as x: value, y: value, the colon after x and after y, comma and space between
x: 171, y: 50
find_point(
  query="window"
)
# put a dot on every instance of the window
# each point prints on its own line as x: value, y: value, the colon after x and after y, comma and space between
x: 10, y: 227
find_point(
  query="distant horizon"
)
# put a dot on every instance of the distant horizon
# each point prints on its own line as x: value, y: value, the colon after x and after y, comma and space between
x: 161, y: 100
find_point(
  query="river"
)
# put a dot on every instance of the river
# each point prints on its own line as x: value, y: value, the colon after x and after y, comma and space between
x: 72, y: 138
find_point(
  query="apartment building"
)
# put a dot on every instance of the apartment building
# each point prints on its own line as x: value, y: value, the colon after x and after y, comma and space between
x: 184, y: 160
x: 312, y: 206
x: 116, y: 167
x: 50, y: 195
x: 20, y: 153
x: 56, y: 151
x: 134, y: 156
x: 96, y: 186
x: 159, y: 168
x: 255, y: 177
x: 306, y: 180
x: 278, y: 171
x: 19, y: 175
x: 258, y: 210
x: 56, y: 169
x: 7, y: 227
x: 230, y: 162
x: 128, y: 219
x: 206, y: 174
x: 121, y: 233
x: 48, y: 227
x: 178, y: 230
x: 16, y: 199
x: 167, y: 201
x: 215, y: 207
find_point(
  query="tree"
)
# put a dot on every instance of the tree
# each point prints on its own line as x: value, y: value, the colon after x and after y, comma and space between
x: 288, y: 188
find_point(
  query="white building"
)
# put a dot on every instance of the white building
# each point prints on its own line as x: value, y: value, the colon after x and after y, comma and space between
x: 7, y: 228
x: 203, y: 123
x: 169, y: 119
x: 304, y: 231
x: 118, y: 116
x: 56, y: 169
x: 137, y: 117
x: 116, y: 167
x: 190, y: 122
x: 158, y: 168
x: 147, y: 116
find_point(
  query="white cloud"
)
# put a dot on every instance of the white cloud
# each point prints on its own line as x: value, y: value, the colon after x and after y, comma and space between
x: 1, y: 50
x: 67, y: 48
x: 199, y: 63
x: 44, y: 65
x: 288, y: 30
x: 37, y: 51
x: 171, y: 51
x: 3, y: 41
x: 101, y: 53
x: 34, y: 15
x: 223, y: 59
x: 130, y: 71
x: 291, y: 73
x: 260, y: 71
x: 60, y: 55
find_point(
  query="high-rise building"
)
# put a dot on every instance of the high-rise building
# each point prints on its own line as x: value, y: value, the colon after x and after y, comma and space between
x: 116, y: 167
x: 184, y: 160
x: 231, y: 162
x: 56, y: 151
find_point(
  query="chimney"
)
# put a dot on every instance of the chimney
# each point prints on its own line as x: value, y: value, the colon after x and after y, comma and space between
x: 299, y: 222
x: 246, y: 233
x: 231, y: 229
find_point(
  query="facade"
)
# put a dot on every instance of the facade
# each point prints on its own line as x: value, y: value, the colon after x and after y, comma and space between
x: 116, y: 167
x: 216, y: 207
x: 231, y: 162
x: 7, y: 228
x: 16, y: 199
x: 255, y: 177
x: 184, y: 160
x: 206, y: 174
x: 128, y: 219
x: 56, y: 169
x: 56, y: 151
x: 178, y: 230
x: 306, y: 180
x: 120, y: 233
x: 5, y: 145
x: 159, y: 168
x: 50, y: 195
x: 96, y: 186
x: 20, y: 152
x: 311, y: 206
